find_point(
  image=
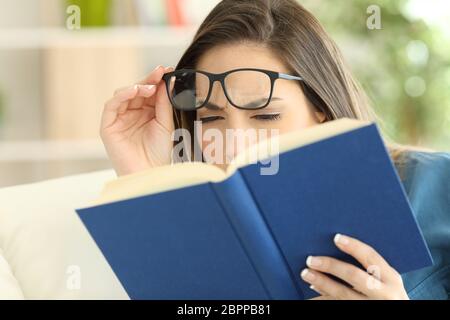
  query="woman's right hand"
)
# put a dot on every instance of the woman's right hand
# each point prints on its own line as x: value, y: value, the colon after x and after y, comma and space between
x: 137, y: 125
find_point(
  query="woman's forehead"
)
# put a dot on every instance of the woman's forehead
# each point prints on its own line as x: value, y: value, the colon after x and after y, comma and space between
x: 228, y: 57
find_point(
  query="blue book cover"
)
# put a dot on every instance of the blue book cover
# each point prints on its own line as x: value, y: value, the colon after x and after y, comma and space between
x: 248, y: 236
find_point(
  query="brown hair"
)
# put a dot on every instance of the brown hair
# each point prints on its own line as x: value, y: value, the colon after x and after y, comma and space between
x: 298, y: 38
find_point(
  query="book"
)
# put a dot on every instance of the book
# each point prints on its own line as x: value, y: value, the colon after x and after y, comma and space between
x: 194, y: 231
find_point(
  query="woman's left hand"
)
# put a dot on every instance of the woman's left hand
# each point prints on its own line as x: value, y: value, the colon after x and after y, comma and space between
x: 378, y: 281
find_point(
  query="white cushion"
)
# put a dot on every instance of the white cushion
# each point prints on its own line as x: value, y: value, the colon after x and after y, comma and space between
x: 45, y: 251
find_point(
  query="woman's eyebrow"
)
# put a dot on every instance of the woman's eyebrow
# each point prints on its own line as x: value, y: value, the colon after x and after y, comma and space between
x: 212, y: 106
x: 276, y: 99
x: 262, y: 100
x: 209, y: 107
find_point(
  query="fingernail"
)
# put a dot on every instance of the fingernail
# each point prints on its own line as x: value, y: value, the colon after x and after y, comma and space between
x: 307, y: 275
x: 136, y: 87
x: 150, y: 87
x: 159, y: 66
x: 313, y: 261
x: 341, y: 239
x: 312, y: 288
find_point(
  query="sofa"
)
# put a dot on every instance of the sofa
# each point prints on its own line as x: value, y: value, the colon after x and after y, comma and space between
x: 45, y: 251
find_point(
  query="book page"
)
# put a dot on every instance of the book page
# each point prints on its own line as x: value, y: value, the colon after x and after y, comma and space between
x: 159, y: 179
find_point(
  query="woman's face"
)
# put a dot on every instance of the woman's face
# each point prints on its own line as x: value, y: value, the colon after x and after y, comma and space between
x: 289, y: 109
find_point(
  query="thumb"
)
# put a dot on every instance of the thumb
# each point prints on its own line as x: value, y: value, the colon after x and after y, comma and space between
x: 163, y: 107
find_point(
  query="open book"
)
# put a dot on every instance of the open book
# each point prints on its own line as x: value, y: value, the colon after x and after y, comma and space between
x: 194, y: 231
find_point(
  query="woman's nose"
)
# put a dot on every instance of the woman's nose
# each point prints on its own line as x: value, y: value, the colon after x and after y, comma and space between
x: 239, y: 134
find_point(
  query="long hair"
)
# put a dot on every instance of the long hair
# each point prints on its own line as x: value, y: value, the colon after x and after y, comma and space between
x: 300, y: 41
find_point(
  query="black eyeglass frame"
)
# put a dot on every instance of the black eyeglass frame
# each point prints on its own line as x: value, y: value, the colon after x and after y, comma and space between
x: 213, y: 77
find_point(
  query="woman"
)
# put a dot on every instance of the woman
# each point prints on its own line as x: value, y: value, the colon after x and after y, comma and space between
x: 316, y: 86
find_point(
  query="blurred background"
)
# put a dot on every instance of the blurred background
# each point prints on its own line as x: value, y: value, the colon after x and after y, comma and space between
x: 55, y: 77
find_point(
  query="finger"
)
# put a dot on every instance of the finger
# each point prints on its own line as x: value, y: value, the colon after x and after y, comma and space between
x: 123, y: 94
x: 144, y: 92
x: 154, y: 77
x: 152, y: 100
x: 357, y: 278
x: 172, y: 79
x: 322, y: 294
x: 329, y: 287
x: 323, y: 298
x: 116, y: 104
x: 163, y: 108
x: 367, y: 256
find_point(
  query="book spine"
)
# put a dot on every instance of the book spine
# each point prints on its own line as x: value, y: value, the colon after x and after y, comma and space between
x: 256, y: 238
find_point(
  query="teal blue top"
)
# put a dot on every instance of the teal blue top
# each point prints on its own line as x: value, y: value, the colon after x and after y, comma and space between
x: 427, y: 182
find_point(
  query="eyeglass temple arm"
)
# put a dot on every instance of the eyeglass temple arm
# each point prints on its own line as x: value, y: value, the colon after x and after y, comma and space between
x: 289, y: 77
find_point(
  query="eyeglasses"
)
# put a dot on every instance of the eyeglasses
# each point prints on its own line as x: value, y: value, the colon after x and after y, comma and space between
x: 248, y: 89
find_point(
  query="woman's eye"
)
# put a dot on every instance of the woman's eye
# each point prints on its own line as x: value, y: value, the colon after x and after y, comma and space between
x: 210, y: 119
x: 268, y: 117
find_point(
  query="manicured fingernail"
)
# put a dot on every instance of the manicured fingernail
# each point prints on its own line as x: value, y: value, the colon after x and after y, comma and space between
x: 341, y: 239
x: 307, y: 275
x: 313, y: 261
x: 312, y: 288
x: 150, y: 87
